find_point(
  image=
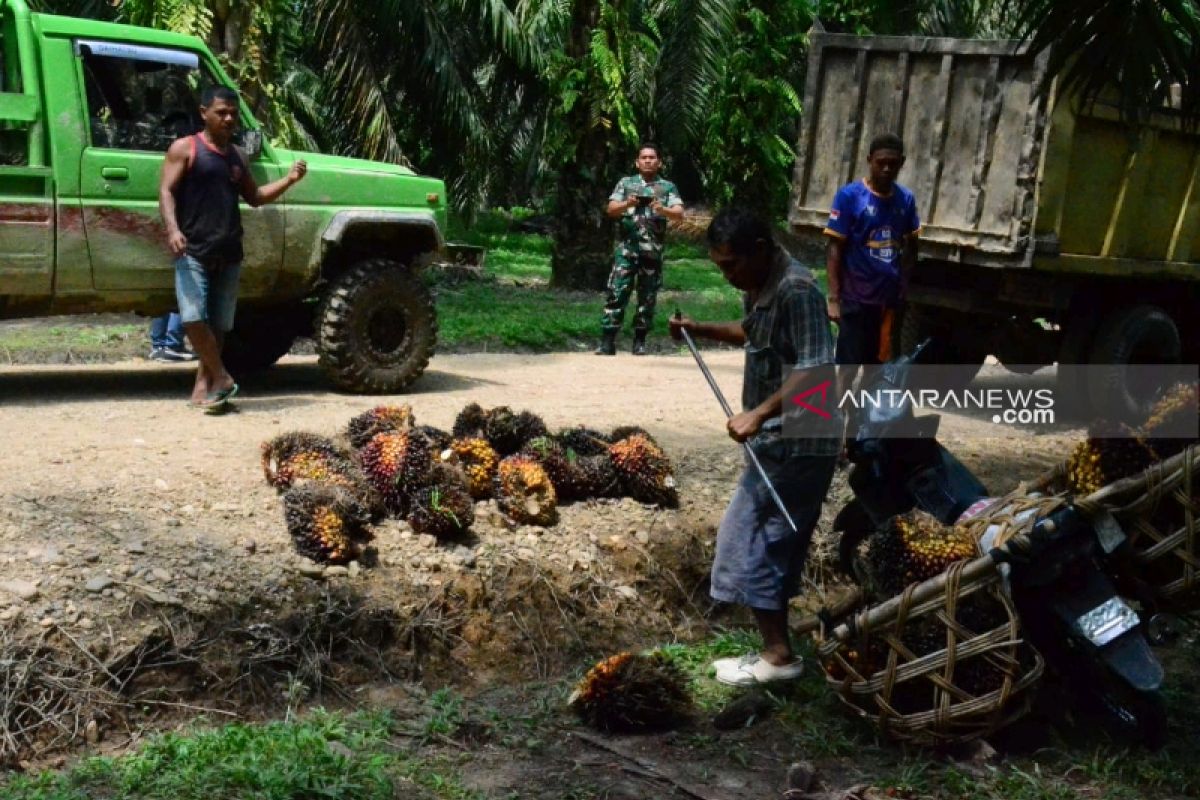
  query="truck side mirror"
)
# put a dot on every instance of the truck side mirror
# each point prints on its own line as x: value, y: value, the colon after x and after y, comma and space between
x: 251, y: 142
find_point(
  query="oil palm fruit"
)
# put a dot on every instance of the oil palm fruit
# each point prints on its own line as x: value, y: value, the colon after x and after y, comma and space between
x: 478, y: 460
x: 439, y: 440
x: 913, y: 547
x: 278, y: 453
x: 599, y: 476
x: 524, y: 491
x: 1173, y: 422
x: 584, y: 441
x: 629, y: 692
x: 625, y: 431
x: 470, y: 422
x: 443, y: 508
x: 326, y: 523
x: 379, y: 419
x: 530, y: 426
x: 562, y: 467
x: 644, y: 470
x: 397, y: 464
x: 1112, y: 451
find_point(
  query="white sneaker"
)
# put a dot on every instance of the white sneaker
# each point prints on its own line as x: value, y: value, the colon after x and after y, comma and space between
x: 754, y: 669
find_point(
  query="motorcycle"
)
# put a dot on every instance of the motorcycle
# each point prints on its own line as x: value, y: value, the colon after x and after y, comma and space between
x: 1092, y: 640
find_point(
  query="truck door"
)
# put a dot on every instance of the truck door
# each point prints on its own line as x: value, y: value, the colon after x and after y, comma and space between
x: 139, y: 100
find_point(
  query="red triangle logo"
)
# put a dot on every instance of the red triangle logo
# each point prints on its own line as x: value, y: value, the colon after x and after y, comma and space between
x: 821, y: 389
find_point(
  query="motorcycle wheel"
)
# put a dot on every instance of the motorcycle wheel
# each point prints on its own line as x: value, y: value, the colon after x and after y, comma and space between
x: 1132, y: 716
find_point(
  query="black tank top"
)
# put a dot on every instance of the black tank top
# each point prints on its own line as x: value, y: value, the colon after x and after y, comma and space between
x: 206, y: 203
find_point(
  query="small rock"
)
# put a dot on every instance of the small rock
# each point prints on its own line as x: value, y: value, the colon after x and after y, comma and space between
x: 643, y: 537
x: 98, y: 584
x: 86, y: 623
x: 628, y: 592
x: 336, y: 571
x: 118, y: 594
x: 92, y: 557
x: 46, y: 622
x: 249, y: 545
x: 9, y: 613
x: 160, y: 574
x: 427, y: 540
x: 311, y: 569
x: 91, y: 732
x: 161, y: 485
x: 136, y: 548
x: 801, y: 776
x: 354, y: 569
x: 22, y: 589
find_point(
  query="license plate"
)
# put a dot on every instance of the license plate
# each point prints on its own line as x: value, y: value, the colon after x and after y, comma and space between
x: 1107, y: 621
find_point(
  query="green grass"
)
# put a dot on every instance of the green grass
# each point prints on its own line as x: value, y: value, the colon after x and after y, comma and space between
x: 86, y: 341
x: 322, y: 755
x: 515, y: 308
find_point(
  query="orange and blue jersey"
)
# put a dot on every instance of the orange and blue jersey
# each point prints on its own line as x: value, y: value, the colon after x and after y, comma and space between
x: 874, y: 228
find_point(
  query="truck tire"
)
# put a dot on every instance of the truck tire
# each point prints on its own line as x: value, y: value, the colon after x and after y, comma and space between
x: 948, y: 344
x: 261, y: 337
x: 1139, y: 335
x: 376, y: 328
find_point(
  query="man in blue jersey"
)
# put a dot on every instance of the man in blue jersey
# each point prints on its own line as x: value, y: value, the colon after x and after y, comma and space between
x: 872, y: 232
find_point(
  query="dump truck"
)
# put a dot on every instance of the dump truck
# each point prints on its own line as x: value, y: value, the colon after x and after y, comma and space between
x: 87, y: 112
x: 1053, y: 231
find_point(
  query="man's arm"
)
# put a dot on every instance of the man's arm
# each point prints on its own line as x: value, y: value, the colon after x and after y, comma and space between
x: 744, y: 425
x: 616, y: 208
x: 835, y: 251
x: 256, y: 195
x: 727, y: 332
x: 174, y: 168
x: 674, y: 213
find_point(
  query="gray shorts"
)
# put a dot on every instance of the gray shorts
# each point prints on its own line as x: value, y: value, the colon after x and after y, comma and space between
x: 759, y: 559
x: 206, y: 295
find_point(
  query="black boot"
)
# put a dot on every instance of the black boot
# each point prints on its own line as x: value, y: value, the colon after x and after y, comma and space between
x: 639, y: 343
x: 608, y: 344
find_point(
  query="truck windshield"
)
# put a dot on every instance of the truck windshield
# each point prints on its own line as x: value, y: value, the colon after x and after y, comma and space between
x: 141, y: 98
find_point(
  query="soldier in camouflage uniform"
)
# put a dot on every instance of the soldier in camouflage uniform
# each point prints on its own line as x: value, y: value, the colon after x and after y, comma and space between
x: 643, y: 203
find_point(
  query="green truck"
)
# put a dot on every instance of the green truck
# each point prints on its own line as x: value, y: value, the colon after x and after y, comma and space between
x: 1051, y: 233
x: 87, y: 111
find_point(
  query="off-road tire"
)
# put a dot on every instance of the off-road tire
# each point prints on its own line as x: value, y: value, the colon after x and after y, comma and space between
x: 261, y: 337
x: 376, y: 328
x: 1139, y: 335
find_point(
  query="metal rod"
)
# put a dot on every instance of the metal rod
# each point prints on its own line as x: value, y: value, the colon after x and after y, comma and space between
x: 712, y: 384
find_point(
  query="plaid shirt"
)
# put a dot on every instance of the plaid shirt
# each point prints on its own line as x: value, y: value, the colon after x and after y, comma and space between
x: 787, y: 328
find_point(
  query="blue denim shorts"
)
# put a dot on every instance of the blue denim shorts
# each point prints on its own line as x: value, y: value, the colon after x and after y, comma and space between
x: 760, y: 559
x: 206, y: 295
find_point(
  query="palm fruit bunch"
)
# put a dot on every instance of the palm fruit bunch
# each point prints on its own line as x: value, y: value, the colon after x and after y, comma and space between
x: 470, y: 422
x: 478, y: 461
x: 1112, y: 451
x: 379, y: 419
x: 599, y: 476
x: 443, y: 508
x: 625, y: 431
x: 561, y: 465
x: 292, y: 458
x: 439, y: 440
x: 1173, y: 422
x: 326, y: 523
x: 644, y: 470
x: 627, y: 693
x: 397, y: 465
x: 524, y: 491
x: 584, y: 441
x: 508, y: 432
x: 913, y: 547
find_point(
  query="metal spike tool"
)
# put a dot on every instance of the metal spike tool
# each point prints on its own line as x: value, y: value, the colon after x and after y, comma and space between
x: 712, y: 384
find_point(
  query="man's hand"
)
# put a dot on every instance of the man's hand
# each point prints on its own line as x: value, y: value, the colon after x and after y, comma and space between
x: 834, y: 309
x: 744, y: 425
x: 657, y: 207
x: 631, y: 202
x: 298, y: 171
x: 677, y: 325
x: 177, y: 243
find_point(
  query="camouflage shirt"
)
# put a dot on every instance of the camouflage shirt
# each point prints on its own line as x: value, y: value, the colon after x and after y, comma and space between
x: 642, y: 230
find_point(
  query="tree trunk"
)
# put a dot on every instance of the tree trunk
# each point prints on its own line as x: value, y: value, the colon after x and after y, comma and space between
x: 582, y: 232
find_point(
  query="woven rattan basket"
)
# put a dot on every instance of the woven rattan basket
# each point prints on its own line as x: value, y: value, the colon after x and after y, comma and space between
x: 981, y: 678
x: 1159, y: 510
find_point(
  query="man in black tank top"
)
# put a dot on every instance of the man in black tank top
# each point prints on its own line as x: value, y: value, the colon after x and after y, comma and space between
x: 202, y: 179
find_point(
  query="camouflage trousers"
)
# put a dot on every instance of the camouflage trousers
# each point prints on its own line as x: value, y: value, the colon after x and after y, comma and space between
x: 630, y: 271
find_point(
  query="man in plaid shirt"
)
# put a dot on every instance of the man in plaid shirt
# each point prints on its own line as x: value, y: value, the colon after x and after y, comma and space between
x: 789, y: 351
